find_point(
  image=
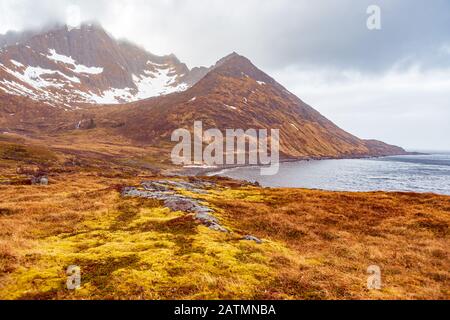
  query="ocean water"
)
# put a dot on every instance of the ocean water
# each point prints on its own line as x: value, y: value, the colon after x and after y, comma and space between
x: 417, y: 173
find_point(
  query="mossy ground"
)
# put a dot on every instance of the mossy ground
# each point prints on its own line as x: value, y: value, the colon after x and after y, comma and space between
x: 136, y: 249
x: 317, y: 245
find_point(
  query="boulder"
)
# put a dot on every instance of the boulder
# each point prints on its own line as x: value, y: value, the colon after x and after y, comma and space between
x: 252, y: 238
x: 206, y: 218
x: 218, y: 227
x: 39, y: 180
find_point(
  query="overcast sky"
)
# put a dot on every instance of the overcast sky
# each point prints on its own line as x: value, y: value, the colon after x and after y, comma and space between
x: 391, y: 84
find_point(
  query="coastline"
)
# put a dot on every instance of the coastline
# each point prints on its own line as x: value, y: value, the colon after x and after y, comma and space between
x: 199, y: 171
x: 402, y: 173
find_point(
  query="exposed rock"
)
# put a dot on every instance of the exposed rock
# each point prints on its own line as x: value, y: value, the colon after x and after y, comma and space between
x: 154, y: 186
x: 202, y: 209
x: 218, y: 227
x: 180, y: 204
x: 133, y: 192
x: 44, y: 181
x: 85, y: 124
x: 192, y: 187
x: 39, y: 180
x: 252, y: 238
x: 206, y: 218
x: 165, y: 190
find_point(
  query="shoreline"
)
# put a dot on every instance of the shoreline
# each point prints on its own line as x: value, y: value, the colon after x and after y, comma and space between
x: 198, y: 172
x: 226, y: 172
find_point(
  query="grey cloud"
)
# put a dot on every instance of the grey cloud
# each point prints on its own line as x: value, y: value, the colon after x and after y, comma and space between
x: 274, y: 34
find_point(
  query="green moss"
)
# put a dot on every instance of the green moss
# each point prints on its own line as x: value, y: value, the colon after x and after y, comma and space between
x: 139, y: 250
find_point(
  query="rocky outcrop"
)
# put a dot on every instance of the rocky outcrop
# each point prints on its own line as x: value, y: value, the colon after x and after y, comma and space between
x: 85, y: 124
x: 252, y: 238
x: 168, y: 192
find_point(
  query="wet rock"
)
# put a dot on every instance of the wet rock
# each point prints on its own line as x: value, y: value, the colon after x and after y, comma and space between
x: 252, y: 238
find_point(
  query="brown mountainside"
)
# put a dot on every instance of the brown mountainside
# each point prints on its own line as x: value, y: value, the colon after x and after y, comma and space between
x: 45, y: 79
x: 235, y: 94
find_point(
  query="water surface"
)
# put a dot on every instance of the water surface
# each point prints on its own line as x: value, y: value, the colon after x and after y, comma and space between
x: 418, y: 173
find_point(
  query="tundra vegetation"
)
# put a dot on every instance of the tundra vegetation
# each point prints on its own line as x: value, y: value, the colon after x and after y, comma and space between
x: 315, y: 244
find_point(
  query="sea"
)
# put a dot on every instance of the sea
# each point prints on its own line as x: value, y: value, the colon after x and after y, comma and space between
x: 416, y: 173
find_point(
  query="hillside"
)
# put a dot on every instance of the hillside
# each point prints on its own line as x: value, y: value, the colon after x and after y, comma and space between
x: 236, y: 94
x: 57, y: 83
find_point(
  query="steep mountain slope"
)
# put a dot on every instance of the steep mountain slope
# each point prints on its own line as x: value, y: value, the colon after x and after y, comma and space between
x: 67, y: 66
x: 235, y: 94
x: 65, y: 69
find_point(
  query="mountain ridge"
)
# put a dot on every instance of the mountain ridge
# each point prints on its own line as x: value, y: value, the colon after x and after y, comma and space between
x: 233, y: 93
x: 68, y: 66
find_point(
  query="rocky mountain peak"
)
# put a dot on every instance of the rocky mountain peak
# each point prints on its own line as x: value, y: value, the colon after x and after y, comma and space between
x: 70, y: 66
x: 237, y: 66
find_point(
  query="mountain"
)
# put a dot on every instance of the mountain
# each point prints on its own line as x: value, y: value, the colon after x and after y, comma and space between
x: 81, y: 69
x: 71, y: 66
x: 236, y: 94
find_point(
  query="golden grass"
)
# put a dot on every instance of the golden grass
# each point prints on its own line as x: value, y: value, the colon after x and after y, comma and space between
x: 126, y: 248
x: 317, y: 245
x: 337, y: 235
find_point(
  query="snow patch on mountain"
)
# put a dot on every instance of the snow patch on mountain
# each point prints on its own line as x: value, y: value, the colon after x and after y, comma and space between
x: 16, y: 63
x: 152, y: 84
x: 38, y: 77
x: 14, y: 88
x: 157, y: 83
x: 77, y: 68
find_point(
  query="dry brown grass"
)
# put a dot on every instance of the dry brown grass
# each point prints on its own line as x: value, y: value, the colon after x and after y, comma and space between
x: 337, y: 235
x: 317, y: 245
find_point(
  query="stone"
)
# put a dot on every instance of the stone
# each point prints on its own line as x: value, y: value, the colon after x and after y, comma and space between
x: 154, y: 186
x: 252, y: 238
x: 165, y: 190
x: 218, y: 227
x: 43, y: 181
x: 39, y: 180
x: 179, y: 204
x: 206, y: 218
